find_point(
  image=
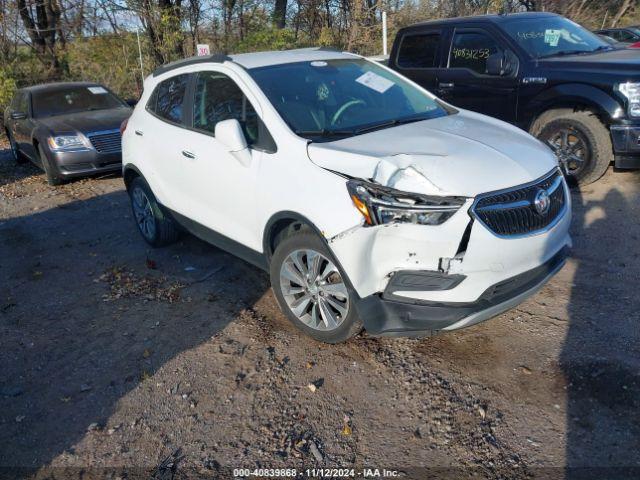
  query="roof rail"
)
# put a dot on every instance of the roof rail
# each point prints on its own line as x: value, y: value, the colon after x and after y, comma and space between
x: 215, y: 58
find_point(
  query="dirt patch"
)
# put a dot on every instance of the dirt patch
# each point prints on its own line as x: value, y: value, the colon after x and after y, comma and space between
x: 178, y: 360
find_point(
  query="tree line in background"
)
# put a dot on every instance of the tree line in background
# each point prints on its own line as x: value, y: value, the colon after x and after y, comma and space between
x: 45, y: 40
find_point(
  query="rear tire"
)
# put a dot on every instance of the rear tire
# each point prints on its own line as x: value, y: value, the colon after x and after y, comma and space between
x: 580, y: 140
x: 52, y: 177
x: 154, y: 224
x: 306, y: 277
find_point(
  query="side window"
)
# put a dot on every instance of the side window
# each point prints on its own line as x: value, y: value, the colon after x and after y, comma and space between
x: 170, y: 98
x: 418, y: 51
x: 623, y: 36
x: 19, y: 103
x: 218, y: 98
x: 471, y: 50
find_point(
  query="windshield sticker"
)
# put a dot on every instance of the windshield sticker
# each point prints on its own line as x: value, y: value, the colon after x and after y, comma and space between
x: 375, y: 82
x: 552, y: 37
x: 318, y: 63
x: 97, y: 90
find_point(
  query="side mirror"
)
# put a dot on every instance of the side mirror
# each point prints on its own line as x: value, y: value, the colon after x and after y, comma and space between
x: 18, y: 116
x: 229, y: 133
x: 501, y: 63
x: 496, y: 64
x: 132, y: 102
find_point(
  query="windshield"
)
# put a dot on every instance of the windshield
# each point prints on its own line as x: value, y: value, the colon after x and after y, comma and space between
x: 330, y: 98
x: 61, y: 101
x: 553, y: 36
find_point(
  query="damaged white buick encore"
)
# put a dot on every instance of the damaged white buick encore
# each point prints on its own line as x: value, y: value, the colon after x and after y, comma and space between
x: 371, y: 203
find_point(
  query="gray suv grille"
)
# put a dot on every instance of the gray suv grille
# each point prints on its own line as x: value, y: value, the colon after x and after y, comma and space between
x: 523, y: 210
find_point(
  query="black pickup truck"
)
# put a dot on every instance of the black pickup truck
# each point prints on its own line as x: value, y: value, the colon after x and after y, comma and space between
x: 539, y: 71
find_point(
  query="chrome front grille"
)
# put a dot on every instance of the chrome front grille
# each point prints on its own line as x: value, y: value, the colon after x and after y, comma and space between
x: 107, y: 141
x: 519, y: 210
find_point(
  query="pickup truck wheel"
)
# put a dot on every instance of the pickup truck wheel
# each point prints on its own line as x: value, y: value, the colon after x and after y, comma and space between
x: 311, y: 289
x: 155, y: 226
x: 579, y: 139
x: 15, y: 153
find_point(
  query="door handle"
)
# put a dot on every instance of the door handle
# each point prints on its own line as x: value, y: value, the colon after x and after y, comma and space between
x: 139, y: 133
x: 446, y: 85
x: 188, y: 154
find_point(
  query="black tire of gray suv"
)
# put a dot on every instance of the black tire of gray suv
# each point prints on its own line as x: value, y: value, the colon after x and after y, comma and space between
x: 147, y: 212
x: 306, y: 240
x: 588, y: 130
x: 15, y: 153
x: 52, y: 178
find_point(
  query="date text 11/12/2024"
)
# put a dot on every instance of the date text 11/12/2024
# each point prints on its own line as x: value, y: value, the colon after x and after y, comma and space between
x: 315, y: 473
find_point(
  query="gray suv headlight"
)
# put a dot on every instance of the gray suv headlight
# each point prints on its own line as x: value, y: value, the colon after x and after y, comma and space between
x: 379, y: 205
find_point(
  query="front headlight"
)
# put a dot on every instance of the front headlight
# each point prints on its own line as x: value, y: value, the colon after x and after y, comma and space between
x: 379, y: 205
x: 66, y: 142
x: 631, y: 91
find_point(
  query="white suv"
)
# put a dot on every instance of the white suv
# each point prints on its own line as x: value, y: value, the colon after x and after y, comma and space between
x: 370, y: 202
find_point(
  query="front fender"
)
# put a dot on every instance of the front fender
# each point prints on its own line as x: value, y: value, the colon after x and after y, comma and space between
x: 568, y: 94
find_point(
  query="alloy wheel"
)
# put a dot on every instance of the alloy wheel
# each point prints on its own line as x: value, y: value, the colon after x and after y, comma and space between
x: 143, y: 212
x: 572, y: 149
x: 314, y: 290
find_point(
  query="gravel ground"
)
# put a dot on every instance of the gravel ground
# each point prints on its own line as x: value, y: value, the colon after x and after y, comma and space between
x: 117, y: 359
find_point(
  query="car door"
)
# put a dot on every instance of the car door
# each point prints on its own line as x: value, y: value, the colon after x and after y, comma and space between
x: 223, y: 184
x: 160, y: 135
x: 19, y: 122
x: 465, y: 82
x: 418, y: 56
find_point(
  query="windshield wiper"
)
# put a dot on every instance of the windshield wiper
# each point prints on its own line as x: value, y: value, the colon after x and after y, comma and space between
x: 325, y: 132
x: 565, y: 53
x: 392, y: 123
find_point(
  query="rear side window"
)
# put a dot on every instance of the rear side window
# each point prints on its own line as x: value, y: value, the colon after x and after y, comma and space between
x: 471, y: 50
x: 168, y: 99
x: 419, y: 51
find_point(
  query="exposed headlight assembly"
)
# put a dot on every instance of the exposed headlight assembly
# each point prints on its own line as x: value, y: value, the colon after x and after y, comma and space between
x: 379, y: 205
x: 631, y: 91
x: 66, y: 142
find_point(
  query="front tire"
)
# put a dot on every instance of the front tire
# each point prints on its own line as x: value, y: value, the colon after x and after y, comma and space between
x: 312, y: 290
x: 15, y: 152
x: 52, y: 177
x: 580, y: 140
x: 154, y: 224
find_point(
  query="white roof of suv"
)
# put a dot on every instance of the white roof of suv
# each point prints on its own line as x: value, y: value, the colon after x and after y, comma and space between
x: 263, y: 59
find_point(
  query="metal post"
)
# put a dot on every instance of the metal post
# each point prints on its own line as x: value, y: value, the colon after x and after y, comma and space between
x: 140, y: 54
x: 384, y: 33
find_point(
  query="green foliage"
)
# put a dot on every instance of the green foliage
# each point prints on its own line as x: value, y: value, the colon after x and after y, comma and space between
x: 7, y: 89
x: 268, y: 39
x: 108, y: 59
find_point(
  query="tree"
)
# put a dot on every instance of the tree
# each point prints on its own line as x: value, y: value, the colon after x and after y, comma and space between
x: 41, y: 19
x: 280, y: 13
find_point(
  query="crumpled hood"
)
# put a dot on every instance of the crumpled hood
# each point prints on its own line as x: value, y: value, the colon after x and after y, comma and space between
x: 463, y: 154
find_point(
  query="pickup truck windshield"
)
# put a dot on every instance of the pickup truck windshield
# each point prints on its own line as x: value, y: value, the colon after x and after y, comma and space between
x: 73, y: 99
x: 328, y: 99
x: 553, y: 36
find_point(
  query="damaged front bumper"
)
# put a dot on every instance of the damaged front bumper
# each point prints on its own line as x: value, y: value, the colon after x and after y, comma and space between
x: 388, y: 315
x: 412, y: 280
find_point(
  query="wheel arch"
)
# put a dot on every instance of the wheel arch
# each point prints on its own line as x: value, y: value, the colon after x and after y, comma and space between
x: 278, y: 224
x: 129, y: 173
x: 573, y: 96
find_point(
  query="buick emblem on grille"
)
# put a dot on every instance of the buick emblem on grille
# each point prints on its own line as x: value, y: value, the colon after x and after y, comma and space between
x: 542, y: 202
